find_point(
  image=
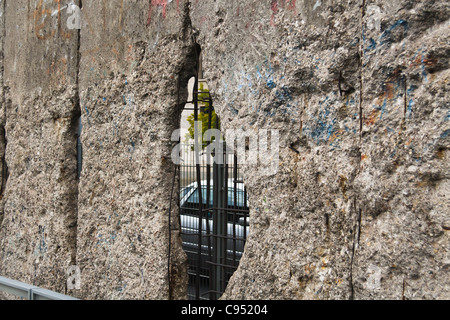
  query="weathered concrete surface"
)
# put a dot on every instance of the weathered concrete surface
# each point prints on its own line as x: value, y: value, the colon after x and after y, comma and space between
x: 276, y: 65
x: 39, y: 112
x: 129, y: 75
x: 358, y: 89
x: 403, y: 182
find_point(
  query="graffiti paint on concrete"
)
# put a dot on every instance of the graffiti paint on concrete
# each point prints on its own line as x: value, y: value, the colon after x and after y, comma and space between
x: 45, y: 26
x: 154, y: 5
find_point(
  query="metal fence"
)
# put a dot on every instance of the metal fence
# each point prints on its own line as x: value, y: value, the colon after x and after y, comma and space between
x: 214, y: 209
x: 30, y: 292
x: 214, y: 225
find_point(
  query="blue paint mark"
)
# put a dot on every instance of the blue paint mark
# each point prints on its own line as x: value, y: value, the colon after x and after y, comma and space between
x: 43, y: 248
x: 232, y: 109
x: 249, y: 80
x: 323, y: 129
x: 372, y: 46
x: 383, y: 109
x: 363, y: 34
x: 410, y: 106
x: 99, y: 241
x: 283, y: 94
x: 448, y: 116
x: 393, y: 153
x: 409, y: 93
x: 445, y: 134
x: 132, y: 148
x: 88, y: 115
x: 386, y: 35
x: 271, y: 84
x: 350, y: 101
x: 258, y: 73
x: 107, y: 240
x: 354, y: 42
x: 269, y: 75
x: 330, y: 129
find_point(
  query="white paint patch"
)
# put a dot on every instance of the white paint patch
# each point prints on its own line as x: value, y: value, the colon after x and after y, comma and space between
x: 318, y: 4
x: 374, y: 20
x: 374, y: 278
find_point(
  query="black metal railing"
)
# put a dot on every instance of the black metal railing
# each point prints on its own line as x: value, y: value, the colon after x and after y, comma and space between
x: 213, y: 233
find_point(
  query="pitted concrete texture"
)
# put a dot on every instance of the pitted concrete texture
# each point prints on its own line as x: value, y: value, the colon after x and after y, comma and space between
x: 128, y: 88
x: 39, y: 112
x: 358, y: 90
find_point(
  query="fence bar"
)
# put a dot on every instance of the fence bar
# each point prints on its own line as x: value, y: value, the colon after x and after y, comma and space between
x: 30, y: 292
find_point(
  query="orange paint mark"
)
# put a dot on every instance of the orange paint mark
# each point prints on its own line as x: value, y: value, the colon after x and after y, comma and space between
x: 408, y: 142
x: 335, y: 135
x: 57, y: 72
x: 42, y: 18
x: 41, y: 14
x: 440, y: 154
x: 389, y: 91
x: 372, y: 119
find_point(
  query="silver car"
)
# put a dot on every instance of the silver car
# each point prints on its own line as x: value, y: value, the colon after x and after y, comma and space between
x: 237, y: 227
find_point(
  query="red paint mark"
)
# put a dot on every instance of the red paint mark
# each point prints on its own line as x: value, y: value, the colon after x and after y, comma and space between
x: 203, y: 19
x: 288, y: 4
x: 291, y: 5
x: 155, y: 4
x: 274, y: 7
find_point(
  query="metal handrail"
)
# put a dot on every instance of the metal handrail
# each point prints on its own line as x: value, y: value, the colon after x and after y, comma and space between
x: 30, y: 292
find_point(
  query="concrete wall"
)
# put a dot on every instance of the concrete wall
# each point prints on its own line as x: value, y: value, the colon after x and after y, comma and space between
x: 40, y: 108
x: 129, y: 73
x: 358, y: 90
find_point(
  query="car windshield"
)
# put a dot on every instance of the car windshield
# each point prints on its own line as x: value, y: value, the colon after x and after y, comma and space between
x: 193, y: 198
